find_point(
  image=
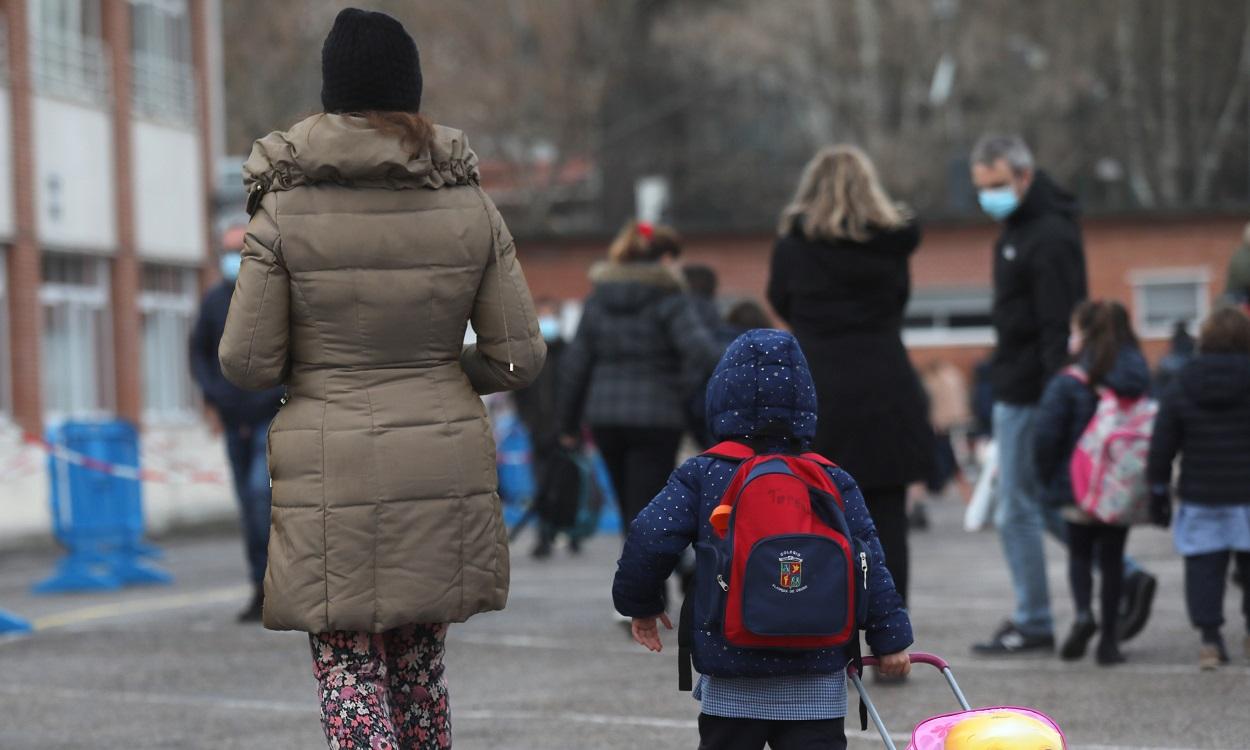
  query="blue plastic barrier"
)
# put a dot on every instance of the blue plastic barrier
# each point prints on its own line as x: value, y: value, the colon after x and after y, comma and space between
x: 11, y: 624
x: 97, y: 515
x: 517, y: 484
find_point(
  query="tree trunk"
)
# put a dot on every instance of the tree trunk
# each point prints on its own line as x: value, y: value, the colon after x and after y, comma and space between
x: 872, y: 119
x: 1170, y: 148
x: 1130, y: 105
x: 1209, y: 162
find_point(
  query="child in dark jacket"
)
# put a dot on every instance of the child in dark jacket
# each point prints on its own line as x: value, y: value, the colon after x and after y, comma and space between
x: 761, y: 389
x: 1205, y: 417
x: 1107, y: 355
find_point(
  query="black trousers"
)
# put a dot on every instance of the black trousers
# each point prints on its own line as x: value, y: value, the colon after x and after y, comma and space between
x: 640, y: 460
x: 1084, y: 541
x: 720, y: 733
x: 1205, y: 577
x: 888, y: 507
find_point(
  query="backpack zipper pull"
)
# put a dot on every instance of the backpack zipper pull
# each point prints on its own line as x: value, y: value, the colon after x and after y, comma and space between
x: 720, y: 579
x: 863, y: 566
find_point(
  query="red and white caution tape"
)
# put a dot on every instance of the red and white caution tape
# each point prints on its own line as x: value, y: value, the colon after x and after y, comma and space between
x: 122, y: 471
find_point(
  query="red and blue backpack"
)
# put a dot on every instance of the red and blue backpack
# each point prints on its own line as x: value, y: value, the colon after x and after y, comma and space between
x: 788, y: 574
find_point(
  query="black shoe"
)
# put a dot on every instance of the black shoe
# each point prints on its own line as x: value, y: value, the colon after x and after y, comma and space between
x: 1139, y: 598
x: 542, y: 551
x: 575, y: 546
x: 1009, y: 640
x: 1078, y: 639
x: 255, y: 609
x: 918, y: 519
x: 1109, y: 655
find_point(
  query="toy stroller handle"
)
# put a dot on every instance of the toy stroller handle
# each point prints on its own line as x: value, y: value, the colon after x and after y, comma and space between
x: 918, y: 657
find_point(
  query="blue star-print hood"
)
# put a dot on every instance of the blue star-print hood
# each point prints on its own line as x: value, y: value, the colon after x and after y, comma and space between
x: 762, y: 383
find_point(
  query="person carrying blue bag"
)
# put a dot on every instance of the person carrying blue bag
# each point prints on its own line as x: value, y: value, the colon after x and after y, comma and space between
x: 762, y: 402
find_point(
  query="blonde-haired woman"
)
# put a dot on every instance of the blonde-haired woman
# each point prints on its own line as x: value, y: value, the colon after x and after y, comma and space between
x: 840, y: 279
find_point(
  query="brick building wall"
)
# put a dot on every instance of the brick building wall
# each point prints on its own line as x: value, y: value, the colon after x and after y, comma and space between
x: 1118, y: 250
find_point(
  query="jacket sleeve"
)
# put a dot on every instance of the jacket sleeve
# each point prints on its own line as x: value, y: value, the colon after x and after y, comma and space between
x: 255, y: 347
x: 888, y: 630
x: 1053, y: 426
x: 1053, y: 301
x: 657, y: 537
x: 778, y: 286
x: 510, y: 350
x: 689, y: 335
x: 576, y: 365
x: 1165, y: 441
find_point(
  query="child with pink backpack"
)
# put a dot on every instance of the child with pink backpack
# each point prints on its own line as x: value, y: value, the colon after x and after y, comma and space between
x: 1092, y: 438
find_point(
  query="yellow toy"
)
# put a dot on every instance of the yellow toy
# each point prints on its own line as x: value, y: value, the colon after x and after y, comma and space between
x: 1003, y: 730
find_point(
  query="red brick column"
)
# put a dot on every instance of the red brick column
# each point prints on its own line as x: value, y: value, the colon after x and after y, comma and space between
x: 201, y: 27
x: 23, y: 258
x: 125, y: 277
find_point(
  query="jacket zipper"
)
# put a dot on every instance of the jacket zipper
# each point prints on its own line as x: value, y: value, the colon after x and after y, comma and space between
x: 863, y: 566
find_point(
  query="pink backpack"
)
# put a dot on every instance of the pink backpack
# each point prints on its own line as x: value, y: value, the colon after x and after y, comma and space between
x: 1109, y: 463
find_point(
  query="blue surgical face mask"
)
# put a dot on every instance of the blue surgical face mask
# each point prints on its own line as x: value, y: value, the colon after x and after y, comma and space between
x: 549, y: 326
x: 999, y: 202
x: 230, y: 263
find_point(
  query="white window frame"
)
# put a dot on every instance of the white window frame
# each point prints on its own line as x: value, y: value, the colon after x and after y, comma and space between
x: 946, y: 335
x: 68, y: 60
x: 1140, y: 280
x: 184, y: 304
x: 163, y: 86
x: 6, y: 361
x: 80, y: 299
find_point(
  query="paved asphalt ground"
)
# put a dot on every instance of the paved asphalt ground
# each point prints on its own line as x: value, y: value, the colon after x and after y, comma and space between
x: 168, y: 667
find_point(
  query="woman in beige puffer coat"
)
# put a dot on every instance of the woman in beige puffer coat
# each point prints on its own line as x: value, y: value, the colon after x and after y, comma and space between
x: 370, y: 248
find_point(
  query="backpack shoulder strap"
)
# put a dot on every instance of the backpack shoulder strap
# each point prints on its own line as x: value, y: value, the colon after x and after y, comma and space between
x: 730, y: 450
x: 1077, y: 373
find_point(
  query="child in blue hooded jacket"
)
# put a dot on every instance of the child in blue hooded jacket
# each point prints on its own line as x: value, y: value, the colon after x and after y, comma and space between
x: 761, y: 394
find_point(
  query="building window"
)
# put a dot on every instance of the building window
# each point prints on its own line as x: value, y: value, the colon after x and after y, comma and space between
x: 167, y: 303
x: 77, y: 337
x: 955, y: 316
x: 164, y: 84
x: 68, y: 55
x: 1167, y: 297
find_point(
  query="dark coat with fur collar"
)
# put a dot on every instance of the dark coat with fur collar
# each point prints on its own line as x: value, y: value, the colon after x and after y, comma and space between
x: 639, y: 329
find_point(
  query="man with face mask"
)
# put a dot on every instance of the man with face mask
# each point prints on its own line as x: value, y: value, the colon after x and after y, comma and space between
x: 243, y: 416
x: 1039, y: 277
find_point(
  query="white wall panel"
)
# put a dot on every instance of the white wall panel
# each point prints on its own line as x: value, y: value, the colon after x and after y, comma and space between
x: 74, y: 176
x: 169, y: 193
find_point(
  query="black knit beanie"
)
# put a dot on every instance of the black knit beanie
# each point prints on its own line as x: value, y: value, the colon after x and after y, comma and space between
x: 369, y: 62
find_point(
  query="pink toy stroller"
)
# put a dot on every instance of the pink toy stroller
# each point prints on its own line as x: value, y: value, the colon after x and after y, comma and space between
x: 997, y: 728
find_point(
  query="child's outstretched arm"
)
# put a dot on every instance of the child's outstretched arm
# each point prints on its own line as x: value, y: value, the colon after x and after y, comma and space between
x: 888, y: 630
x: 656, y: 540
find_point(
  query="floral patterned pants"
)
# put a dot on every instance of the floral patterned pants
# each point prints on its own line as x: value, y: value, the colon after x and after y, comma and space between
x: 383, y: 691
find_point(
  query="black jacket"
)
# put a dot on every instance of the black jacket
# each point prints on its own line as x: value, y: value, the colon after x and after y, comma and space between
x: 235, y: 406
x: 536, y: 403
x: 638, y: 338
x: 844, y: 301
x: 1039, y: 278
x: 1066, y: 408
x: 1205, y: 416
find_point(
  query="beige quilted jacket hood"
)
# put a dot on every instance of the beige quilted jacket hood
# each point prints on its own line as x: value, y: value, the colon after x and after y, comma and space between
x: 361, y: 269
